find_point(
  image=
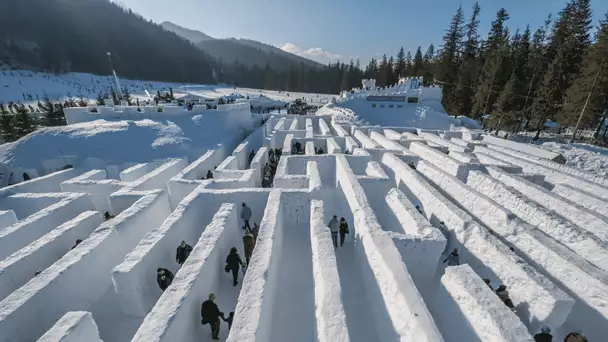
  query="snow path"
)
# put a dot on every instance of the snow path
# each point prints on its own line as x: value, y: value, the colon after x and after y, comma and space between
x: 293, y: 317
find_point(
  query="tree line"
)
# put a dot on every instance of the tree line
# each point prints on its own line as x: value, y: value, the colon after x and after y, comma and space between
x: 18, y: 120
x: 519, y: 79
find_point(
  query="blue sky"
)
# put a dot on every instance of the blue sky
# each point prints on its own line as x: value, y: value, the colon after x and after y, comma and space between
x: 328, y: 29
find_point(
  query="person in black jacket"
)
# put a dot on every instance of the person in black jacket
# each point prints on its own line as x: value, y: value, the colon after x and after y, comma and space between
x: 233, y: 261
x: 343, y: 230
x: 183, y: 251
x: 164, y: 278
x: 229, y: 319
x: 210, y: 313
x: 544, y: 335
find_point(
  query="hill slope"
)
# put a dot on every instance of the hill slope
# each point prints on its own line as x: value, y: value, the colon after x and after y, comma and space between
x: 245, y: 51
x: 62, y: 35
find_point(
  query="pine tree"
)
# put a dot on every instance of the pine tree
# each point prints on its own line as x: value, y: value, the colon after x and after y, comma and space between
x: 510, y: 103
x: 591, y: 85
x: 7, y: 124
x: 382, y: 71
x: 24, y: 123
x: 429, y: 61
x: 126, y: 95
x: 449, y: 60
x: 467, y: 76
x: 100, y: 98
x: 400, y: 65
x: 494, y: 74
x: 408, y: 64
x: 418, y: 66
x: 391, y: 78
x: 569, y: 40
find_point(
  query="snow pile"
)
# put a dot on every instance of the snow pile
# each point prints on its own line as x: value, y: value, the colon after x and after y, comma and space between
x: 359, y: 110
x: 120, y: 142
x: 583, y: 156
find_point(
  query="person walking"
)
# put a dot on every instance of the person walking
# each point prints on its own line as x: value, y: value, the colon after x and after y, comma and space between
x: 233, y: 261
x: 251, y: 156
x: 255, y: 231
x: 164, y: 278
x: 453, y: 259
x: 544, y: 335
x: 248, y: 245
x: 575, y: 336
x: 343, y: 230
x: 229, y: 319
x: 334, y: 229
x: 246, y: 216
x: 183, y: 252
x: 210, y: 314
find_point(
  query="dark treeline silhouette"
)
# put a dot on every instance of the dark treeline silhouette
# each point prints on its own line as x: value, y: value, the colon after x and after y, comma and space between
x: 522, y: 77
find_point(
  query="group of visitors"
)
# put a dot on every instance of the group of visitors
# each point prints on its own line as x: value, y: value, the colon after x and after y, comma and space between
x: 336, y: 227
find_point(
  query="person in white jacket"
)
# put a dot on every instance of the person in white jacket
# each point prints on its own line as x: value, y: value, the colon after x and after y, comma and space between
x: 334, y: 228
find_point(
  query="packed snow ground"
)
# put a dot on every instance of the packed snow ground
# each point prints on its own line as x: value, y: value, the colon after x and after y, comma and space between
x: 516, y: 217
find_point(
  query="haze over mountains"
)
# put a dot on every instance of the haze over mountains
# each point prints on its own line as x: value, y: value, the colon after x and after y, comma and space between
x: 230, y: 50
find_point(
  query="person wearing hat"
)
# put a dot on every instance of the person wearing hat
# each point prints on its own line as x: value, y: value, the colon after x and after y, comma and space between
x: 164, y: 278
x: 544, y: 335
x: 211, y: 314
x: 183, y: 252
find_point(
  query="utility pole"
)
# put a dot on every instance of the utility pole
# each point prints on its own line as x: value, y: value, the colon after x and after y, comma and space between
x: 597, y: 75
x: 118, y: 91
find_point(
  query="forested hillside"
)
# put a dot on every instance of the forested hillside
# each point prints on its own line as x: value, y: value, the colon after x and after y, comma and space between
x: 75, y: 35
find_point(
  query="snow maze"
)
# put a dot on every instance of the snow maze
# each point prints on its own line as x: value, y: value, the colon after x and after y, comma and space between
x: 517, y: 218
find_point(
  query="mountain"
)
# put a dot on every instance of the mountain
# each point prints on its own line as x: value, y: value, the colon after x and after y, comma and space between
x: 191, y: 35
x: 244, y: 51
x: 76, y: 35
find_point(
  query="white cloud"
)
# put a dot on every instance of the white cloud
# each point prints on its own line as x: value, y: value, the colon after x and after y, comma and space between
x: 316, y: 54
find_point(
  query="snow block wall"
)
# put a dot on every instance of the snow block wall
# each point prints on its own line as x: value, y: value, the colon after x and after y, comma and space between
x: 45, y: 184
x: 477, y: 312
x: 76, y: 326
x: 522, y: 148
x: 331, y: 319
x: 202, y: 273
x: 441, y: 160
x: 7, y: 218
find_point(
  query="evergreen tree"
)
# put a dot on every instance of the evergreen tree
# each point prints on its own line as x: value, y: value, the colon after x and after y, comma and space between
x: 510, y: 103
x: 418, y: 64
x: 400, y: 65
x: 391, y: 77
x: 7, y: 124
x: 494, y: 74
x: 569, y: 40
x: 24, y: 123
x: 449, y: 60
x: 52, y: 112
x: 591, y: 87
x: 467, y: 76
x: 126, y: 95
x: 429, y: 62
x: 100, y: 98
x: 408, y: 64
x: 382, y: 74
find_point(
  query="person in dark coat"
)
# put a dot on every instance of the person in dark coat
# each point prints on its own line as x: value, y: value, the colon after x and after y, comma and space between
x: 251, y: 156
x: 78, y: 241
x: 233, y: 261
x: 183, y: 252
x: 488, y: 282
x: 209, y: 174
x: 210, y: 313
x: 26, y: 177
x: 266, y: 169
x: 107, y: 216
x: 453, y: 259
x: 343, y: 230
x: 248, y: 245
x: 544, y: 335
x: 229, y: 319
x: 164, y: 278
x: 503, y: 294
x: 246, y: 216
x: 575, y: 336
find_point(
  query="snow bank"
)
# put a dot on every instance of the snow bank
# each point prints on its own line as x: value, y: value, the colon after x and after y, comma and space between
x: 96, y: 185
x: 419, y: 243
x: 400, y: 298
x: 544, y: 302
x: 587, y: 200
x: 18, y: 268
x: 253, y: 313
x: 7, y: 218
x: 75, y: 326
x: 580, y: 215
x: 331, y: 319
x: 477, y: 314
x: 441, y: 160
x: 364, y: 140
x: 136, y: 171
x: 171, y: 319
x: 146, y: 140
x: 24, y: 232
x: 551, y: 175
x: 523, y: 148
x: 46, y: 184
x: 586, y: 245
x: 94, y: 257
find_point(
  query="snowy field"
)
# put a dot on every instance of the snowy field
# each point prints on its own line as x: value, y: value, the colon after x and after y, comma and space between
x: 16, y: 85
x: 516, y: 217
